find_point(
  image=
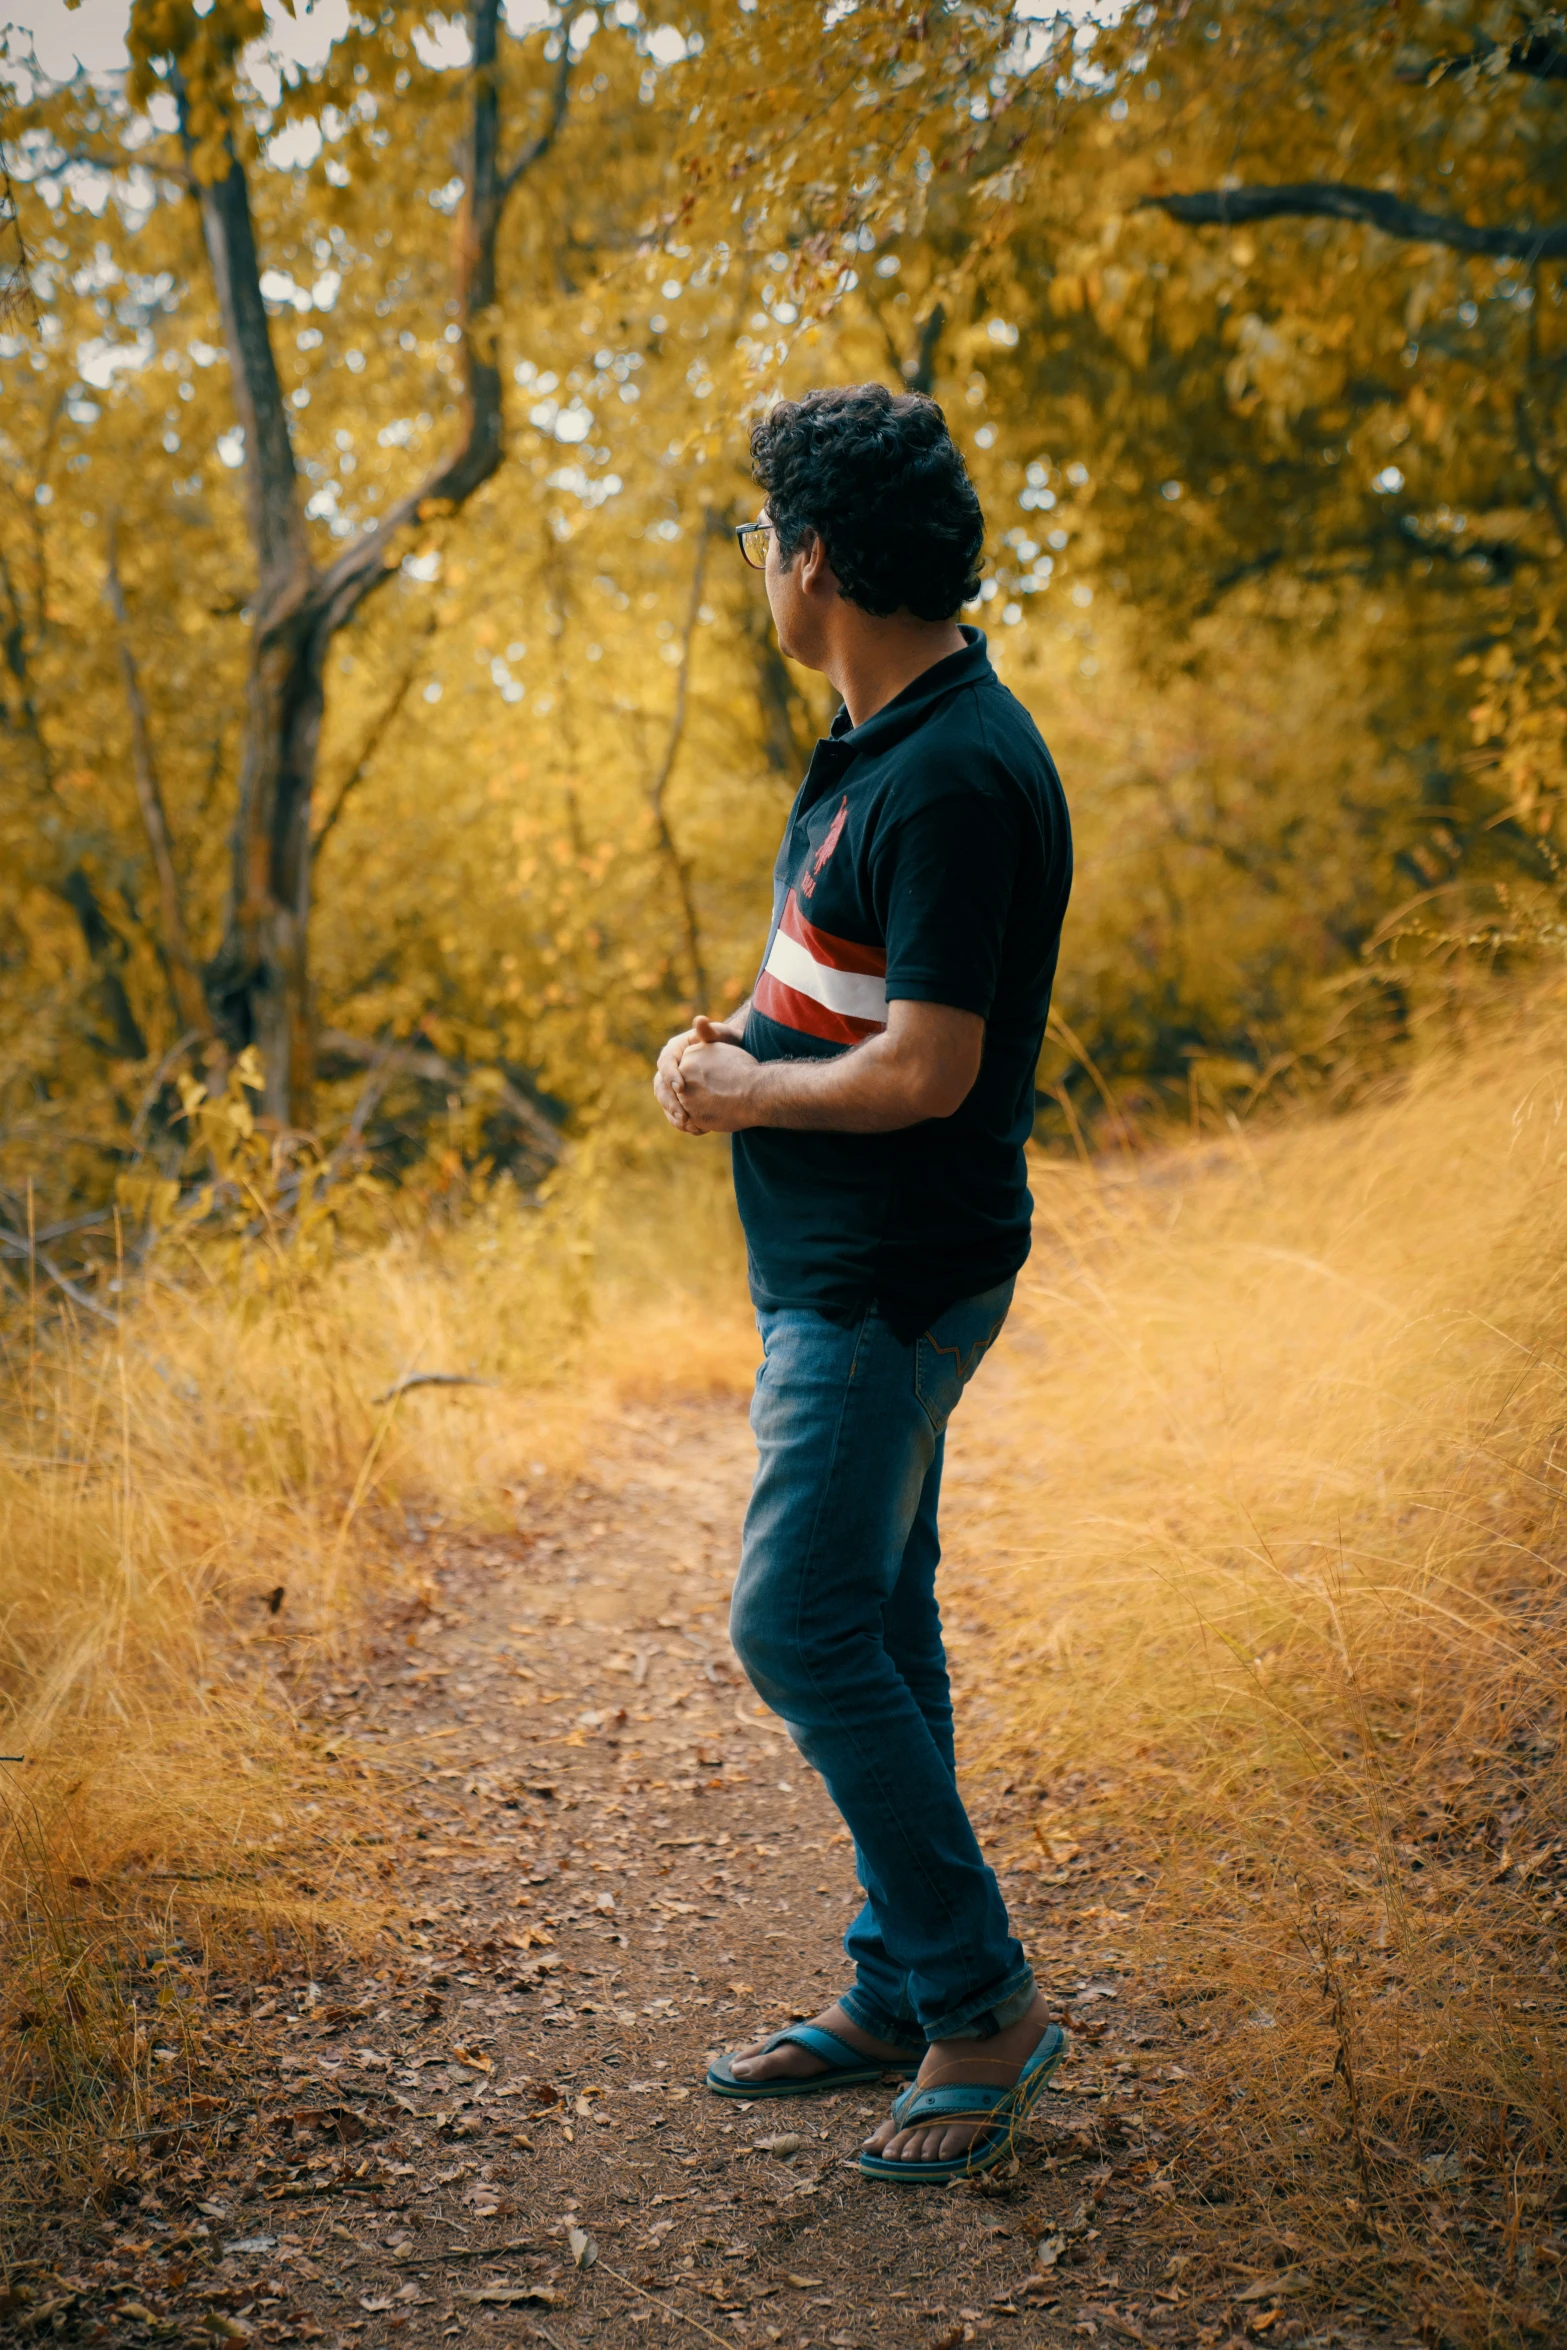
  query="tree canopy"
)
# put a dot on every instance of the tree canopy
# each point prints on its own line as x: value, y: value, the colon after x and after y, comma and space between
x: 379, y: 690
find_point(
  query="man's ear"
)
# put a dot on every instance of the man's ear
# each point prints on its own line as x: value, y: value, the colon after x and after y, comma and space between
x: 817, y: 576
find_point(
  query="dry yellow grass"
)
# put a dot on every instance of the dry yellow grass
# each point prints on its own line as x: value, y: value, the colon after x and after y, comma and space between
x: 194, y: 1513
x: 1269, y: 1533
x: 1262, y: 1509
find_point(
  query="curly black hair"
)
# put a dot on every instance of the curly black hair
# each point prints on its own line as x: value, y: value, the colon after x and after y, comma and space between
x: 878, y: 476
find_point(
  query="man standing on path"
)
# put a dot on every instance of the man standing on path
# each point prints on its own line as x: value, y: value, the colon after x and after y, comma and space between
x: 879, y: 1086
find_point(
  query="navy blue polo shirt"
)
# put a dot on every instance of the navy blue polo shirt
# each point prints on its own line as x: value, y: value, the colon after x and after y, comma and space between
x: 928, y: 856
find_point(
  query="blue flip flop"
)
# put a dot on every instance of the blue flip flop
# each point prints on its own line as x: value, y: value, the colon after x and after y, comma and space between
x: 1002, y: 2110
x: 849, y: 2068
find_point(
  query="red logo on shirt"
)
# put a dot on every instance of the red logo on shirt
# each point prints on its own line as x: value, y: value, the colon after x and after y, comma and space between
x: 834, y: 835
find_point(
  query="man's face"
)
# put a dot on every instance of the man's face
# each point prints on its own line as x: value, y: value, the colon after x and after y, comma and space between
x: 784, y: 597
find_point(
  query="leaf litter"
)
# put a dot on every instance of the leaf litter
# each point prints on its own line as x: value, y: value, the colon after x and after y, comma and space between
x: 526, y: 2057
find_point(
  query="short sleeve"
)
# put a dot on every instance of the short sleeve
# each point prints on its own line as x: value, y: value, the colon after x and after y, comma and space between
x: 945, y: 882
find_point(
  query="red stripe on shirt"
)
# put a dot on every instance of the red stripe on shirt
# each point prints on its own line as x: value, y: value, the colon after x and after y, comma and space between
x: 790, y: 1009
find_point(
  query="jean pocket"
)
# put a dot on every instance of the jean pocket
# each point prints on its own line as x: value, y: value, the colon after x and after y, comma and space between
x: 952, y: 1349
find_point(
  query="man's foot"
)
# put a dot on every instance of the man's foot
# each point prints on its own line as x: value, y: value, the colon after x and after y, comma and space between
x: 794, y: 2063
x: 992, y: 2064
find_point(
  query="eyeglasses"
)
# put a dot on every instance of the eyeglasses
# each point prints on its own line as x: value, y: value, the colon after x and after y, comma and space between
x: 752, y: 538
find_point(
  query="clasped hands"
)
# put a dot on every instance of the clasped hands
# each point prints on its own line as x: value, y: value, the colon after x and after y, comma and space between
x: 705, y: 1082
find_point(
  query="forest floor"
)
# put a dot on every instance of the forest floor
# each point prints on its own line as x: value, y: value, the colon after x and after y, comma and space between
x: 602, y: 1861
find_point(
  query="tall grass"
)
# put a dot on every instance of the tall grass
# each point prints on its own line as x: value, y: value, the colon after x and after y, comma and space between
x: 198, y: 1508
x: 1270, y: 1537
x: 1263, y: 1514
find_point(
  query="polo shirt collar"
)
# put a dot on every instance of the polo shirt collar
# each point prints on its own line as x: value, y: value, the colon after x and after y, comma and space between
x: 907, y: 710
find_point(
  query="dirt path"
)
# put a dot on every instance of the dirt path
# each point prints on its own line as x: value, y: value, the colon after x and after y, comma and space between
x: 607, y: 1862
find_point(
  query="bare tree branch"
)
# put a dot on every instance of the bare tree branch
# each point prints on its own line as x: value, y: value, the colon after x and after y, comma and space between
x: 158, y: 167
x: 1535, y: 55
x: 258, y: 982
x: 16, y: 277
x: 1375, y: 207
x: 919, y: 373
x: 539, y: 147
x: 362, y: 567
x: 379, y: 728
x: 190, y: 1004
x: 435, y: 1069
x: 428, y: 1379
x: 277, y: 522
x: 16, y: 1244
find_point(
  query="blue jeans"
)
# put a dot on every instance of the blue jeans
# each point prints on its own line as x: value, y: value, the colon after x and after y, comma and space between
x: 835, y: 1620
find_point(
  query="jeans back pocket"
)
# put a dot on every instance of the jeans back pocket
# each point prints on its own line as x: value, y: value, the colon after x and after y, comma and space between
x: 952, y: 1349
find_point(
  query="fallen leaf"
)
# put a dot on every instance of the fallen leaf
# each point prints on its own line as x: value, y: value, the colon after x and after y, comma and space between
x: 1288, y: 2280
x: 584, y: 2251
x: 252, y: 2244
x: 337, y: 2121
x: 509, y: 2295
x: 375, y: 2304
x: 474, y: 2060
x: 1050, y: 2250
x: 949, y: 2340
x: 802, y: 2284
x: 787, y: 2142
x: 1443, y: 2170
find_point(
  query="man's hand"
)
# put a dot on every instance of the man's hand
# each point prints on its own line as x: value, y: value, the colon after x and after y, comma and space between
x: 666, y: 1078
x: 714, y: 1081
x: 921, y: 1065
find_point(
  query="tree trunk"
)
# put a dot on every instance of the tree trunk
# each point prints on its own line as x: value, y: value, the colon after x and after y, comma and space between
x: 258, y: 983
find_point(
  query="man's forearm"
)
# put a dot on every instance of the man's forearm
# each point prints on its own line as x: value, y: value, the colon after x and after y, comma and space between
x: 922, y: 1065
x: 868, y: 1090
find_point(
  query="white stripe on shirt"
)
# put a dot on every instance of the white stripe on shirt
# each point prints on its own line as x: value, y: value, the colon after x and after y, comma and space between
x: 857, y: 995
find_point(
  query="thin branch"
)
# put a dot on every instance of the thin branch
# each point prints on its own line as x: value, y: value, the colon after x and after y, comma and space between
x: 190, y: 1007
x: 88, y: 159
x: 1375, y: 207
x: 155, y: 1083
x: 919, y: 372
x: 538, y: 148
x: 362, y: 567
x: 1535, y: 55
x: 660, y: 786
x: 15, y: 1246
x: 16, y: 277
x: 429, y: 1379
x: 379, y: 728
x: 277, y: 522
x: 436, y: 1069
